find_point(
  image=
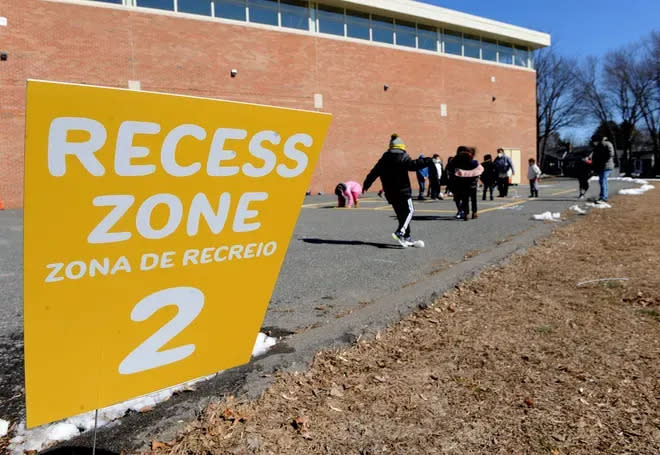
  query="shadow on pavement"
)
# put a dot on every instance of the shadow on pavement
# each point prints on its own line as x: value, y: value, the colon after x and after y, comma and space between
x: 350, y: 242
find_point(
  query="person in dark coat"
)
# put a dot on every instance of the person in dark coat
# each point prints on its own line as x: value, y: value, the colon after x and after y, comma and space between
x: 489, y: 177
x: 393, y: 168
x: 466, y: 176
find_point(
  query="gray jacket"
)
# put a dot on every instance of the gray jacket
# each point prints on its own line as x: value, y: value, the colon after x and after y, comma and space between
x: 603, y: 156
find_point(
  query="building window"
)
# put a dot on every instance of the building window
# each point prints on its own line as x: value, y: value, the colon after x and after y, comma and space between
x: 230, y: 9
x: 489, y: 50
x: 521, y: 56
x: 294, y: 14
x: 505, y: 53
x: 116, y: 2
x: 331, y: 20
x: 427, y: 38
x: 471, y: 46
x: 158, y: 4
x: 382, y: 29
x: 357, y: 24
x: 453, y: 42
x: 263, y: 11
x: 202, y: 7
x: 406, y: 34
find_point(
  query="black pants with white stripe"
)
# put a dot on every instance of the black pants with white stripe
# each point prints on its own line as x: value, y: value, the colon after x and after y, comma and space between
x: 404, y: 212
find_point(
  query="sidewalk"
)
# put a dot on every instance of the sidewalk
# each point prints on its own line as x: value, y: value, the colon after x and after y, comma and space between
x: 525, y: 359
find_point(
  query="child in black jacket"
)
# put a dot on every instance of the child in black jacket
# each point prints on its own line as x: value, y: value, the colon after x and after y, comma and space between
x: 393, y: 168
x: 466, y: 178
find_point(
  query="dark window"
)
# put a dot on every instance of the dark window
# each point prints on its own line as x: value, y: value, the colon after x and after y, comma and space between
x: 506, y: 53
x: 489, y: 50
x: 406, y: 34
x: 263, y: 11
x: 230, y: 9
x: 331, y: 20
x: 295, y: 14
x: 195, y: 6
x: 357, y: 24
x: 116, y: 2
x: 427, y: 38
x: 158, y: 4
x: 472, y: 46
x: 382, y: 29
x: 452, y: 42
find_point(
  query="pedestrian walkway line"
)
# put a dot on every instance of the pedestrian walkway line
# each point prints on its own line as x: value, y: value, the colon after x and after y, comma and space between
x: 503, y: 206
x: 562, y: 192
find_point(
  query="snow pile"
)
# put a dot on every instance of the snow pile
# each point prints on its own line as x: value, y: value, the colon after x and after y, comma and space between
x: 548, y: 216
x: 4, y: 428
x: 36, y: 439
x: 600, y: 205
x: 636, y: 191
x: 577, y: 209
x: 263, y: 344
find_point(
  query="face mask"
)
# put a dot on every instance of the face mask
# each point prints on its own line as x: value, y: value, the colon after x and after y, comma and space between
x: 500, y: 155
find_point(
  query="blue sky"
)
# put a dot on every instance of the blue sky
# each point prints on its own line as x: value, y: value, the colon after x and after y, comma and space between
x: 578, y: 27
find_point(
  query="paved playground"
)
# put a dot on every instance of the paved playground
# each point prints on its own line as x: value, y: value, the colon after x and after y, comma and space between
x: 339, y: 261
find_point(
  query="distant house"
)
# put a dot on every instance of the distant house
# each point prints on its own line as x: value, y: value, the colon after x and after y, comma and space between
x: 552, y: 161
x: 643, y: 163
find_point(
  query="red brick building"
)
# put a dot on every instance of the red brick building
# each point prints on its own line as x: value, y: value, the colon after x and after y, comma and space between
x: 437, y: 77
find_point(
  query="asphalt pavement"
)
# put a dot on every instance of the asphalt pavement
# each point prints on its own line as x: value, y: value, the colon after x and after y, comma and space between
x: 340, y: 263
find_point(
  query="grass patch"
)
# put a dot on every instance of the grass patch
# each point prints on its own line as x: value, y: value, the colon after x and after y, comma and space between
x: 652, y: 313
x: 544, y: 329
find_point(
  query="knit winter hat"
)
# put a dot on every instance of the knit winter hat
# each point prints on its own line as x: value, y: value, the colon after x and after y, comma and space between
x: 396, y: 142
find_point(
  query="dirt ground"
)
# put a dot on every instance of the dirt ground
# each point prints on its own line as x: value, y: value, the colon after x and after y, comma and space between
x: 522, y: 360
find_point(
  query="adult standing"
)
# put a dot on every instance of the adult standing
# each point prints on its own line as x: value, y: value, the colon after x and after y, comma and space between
x: 503, y: 165
x: 422, y: 175
x: 393, y: 168
x: 603, y: 163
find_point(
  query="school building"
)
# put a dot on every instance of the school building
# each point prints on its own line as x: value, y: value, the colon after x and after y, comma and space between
x: 437, y: 77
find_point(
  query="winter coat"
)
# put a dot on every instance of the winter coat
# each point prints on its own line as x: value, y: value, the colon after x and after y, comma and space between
x: 352, y: 193
x: 533, y: 172
x: 503, y: 165
x: 489, y: 177
x: 393, y: 168
x: 603, y: 157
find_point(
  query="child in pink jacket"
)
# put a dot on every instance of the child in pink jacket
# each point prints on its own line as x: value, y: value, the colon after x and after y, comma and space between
x: 348, y: 194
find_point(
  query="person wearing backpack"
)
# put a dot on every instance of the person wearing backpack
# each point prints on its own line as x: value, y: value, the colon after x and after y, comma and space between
x: 503, y: 165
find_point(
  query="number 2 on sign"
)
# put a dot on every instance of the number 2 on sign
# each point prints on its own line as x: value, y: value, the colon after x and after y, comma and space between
x: 147, y: 356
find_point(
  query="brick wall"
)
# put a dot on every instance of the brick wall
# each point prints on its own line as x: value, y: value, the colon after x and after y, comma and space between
x: 107, y: 46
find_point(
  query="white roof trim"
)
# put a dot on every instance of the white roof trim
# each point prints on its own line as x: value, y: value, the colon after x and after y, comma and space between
x: 446, y: 17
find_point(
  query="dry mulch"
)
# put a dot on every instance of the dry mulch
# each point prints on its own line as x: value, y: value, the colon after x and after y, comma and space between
x: 519, y: 361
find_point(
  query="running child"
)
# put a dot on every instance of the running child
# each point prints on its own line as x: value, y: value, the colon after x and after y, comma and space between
x: 393, y: 168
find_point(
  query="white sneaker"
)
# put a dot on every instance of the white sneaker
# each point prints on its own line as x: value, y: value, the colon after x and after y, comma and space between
x: 399, y: 238
x: 415, y: 243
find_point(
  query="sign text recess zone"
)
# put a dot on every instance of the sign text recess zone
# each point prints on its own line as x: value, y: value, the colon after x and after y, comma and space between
x: 155, y: 228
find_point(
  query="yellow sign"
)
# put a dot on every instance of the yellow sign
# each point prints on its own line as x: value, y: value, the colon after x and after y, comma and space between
x: 155, y: 228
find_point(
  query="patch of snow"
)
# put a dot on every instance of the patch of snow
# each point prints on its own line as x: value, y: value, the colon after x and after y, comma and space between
x: 577, y: 209
x: 636, y: 191
x: 46, y: 435
x: 4, y: 428
x: 263, y: 344
x: 600, y: 205
x: 548, y: 216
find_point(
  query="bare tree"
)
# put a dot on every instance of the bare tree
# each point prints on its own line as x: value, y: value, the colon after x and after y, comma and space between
x: 557, y: 101
x: 646, y: 86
